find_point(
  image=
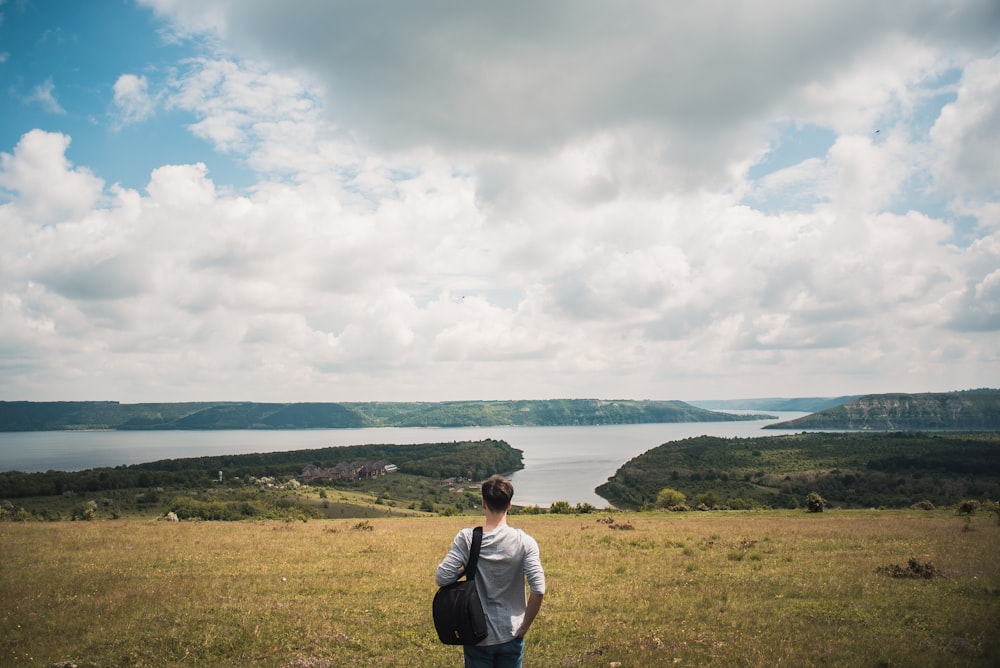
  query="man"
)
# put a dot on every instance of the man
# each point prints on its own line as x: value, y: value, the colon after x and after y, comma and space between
x: 507, y: 558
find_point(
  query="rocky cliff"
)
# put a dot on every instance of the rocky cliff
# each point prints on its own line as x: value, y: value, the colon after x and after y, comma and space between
x: 971, y: 410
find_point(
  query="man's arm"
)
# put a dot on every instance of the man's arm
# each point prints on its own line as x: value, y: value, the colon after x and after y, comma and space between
x: 453, y: 565
x: 530, y: 611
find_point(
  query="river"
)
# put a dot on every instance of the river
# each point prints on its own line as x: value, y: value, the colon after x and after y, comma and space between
x: 560, y: 463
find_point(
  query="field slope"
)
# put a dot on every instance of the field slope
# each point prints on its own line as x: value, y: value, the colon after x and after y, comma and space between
x: 635, y: 589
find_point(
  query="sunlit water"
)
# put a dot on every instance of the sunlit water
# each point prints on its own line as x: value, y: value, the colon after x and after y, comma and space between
x: 560, y: 463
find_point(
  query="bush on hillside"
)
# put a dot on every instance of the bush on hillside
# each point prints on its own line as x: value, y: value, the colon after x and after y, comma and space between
x: 968, y: 507
x: 668, y: 497
x: 708, y: 499
x: 815, y: 503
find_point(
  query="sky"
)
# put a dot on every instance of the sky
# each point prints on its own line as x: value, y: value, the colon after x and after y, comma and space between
x: 247, y: 200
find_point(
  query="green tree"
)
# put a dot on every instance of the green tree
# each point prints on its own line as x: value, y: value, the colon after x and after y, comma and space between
x: 560, y: 507
x: 708, y: 499
x: 668, y: 497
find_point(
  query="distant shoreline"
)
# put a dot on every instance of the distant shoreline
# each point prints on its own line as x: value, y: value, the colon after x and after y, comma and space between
x: 114, y: 416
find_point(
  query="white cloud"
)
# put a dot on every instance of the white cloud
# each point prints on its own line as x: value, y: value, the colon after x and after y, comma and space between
x: 46, y: 186
x: 523, y: 77
x: 525, y: 200
x: 44, y: 95
x: 131, y: 95
x: 967, y: 161
x: 243, y: 108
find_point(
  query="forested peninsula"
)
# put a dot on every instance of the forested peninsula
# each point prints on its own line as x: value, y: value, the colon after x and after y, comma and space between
x: 262, y: 484
x: 848, y: 469
x: 75, y: 415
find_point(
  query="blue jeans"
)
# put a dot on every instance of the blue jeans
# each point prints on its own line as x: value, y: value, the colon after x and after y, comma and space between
x: 504, y: 655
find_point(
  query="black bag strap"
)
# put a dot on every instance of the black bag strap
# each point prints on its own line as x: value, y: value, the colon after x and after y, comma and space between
x: 477, y: 542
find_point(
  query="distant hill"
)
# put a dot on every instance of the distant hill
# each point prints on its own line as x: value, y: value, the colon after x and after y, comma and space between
x: 969, y: 410
x: 70, y: 415
x: 800, y: 404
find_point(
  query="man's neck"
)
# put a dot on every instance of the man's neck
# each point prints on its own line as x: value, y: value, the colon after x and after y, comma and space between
x: 494, y: 520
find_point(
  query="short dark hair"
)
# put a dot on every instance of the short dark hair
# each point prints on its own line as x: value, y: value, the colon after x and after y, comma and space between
x: 497, y: 493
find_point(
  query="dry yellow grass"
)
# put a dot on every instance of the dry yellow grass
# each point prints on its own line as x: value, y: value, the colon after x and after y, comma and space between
x: 743, y: 589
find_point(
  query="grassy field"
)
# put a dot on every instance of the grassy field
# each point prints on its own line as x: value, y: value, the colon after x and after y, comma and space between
x: 630, y: 589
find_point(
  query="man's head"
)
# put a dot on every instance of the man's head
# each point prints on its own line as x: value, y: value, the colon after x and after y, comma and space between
x: 497, y: 493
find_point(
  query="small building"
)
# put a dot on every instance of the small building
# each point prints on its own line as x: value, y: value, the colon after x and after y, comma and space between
x: 347, y: 471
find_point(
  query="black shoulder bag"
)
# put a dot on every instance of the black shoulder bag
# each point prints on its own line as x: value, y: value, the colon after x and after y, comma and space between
x: 458, y: 612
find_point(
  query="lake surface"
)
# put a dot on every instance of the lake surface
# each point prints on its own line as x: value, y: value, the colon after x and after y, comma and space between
x: 560, y: 463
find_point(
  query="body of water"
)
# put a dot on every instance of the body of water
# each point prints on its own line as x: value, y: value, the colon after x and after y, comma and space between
x: 560, y: 463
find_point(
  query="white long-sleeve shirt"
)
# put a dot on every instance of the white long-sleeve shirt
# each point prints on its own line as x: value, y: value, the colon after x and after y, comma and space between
x: 507, y: 558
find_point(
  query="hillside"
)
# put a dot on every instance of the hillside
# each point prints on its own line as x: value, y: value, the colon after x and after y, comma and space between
x: 971, y: 410
x: 66, y: 415
x: 796, y: 404
x: 850, y: 469
x: 775, y: 588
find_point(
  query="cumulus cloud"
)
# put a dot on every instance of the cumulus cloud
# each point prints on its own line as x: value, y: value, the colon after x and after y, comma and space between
x: 525, y: 77
x: 530, y: 200
x: 46, y: 186
x: 968, y: 163
x: 131, y: 96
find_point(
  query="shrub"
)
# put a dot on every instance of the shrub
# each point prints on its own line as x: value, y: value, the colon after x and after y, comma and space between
x: 968, y: 507
x: 189, y: 508
x: 923, y: 505
x: 707, y: 499
x: 739, y: 503
x: 913, y: 569
x: 11, y: 513
x: 560, y: 508
x: 993, y: 508
x: 85, y: 511
x: 815, y: 503
x: 670, y: 497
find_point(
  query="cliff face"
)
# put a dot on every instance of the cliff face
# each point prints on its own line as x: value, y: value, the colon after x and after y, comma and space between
x: 977, y: 410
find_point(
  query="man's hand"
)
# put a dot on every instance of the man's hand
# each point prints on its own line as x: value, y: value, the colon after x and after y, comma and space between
x: 530, y: 611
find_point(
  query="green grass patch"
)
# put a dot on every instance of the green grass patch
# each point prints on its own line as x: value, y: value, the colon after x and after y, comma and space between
x: 806, y: 589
